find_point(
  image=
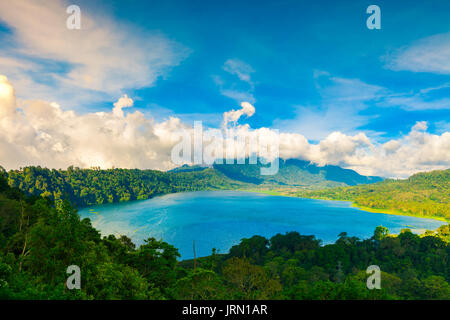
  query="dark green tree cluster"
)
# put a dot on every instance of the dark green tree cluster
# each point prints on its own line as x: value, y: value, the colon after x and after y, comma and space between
x: 85, y: 187
x: 424, y: 194
x: 293, y: 266
x: 39, y: 240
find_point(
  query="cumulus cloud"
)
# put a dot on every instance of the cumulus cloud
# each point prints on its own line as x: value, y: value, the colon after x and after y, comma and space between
x: 41, y: 133
x: 36, y: 132
x: 234, y: 115
x: 7, y: 98
x: 416, y: 151
x: 123, y: 102
x: 420, y: 126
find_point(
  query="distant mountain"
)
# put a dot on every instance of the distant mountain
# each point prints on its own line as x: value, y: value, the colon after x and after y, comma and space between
x: 334, y: 173
x: 292, y: 172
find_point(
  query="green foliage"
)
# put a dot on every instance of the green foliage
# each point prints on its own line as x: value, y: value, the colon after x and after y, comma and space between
x: 423, y: 194
x: 200, y: 284
x: 248, y: 281
x: 413, y: 267
x: 39, y: 240
x: 85, y: 187
x: 294, y: 173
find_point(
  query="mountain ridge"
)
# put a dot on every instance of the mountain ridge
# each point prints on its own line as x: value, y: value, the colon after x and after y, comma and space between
x: 292, y: 172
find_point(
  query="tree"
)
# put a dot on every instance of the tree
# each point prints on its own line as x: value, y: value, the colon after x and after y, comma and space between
x: 156, y: 261
x: 200, y: 284
x: 249, y: 281
x: 380, y: 233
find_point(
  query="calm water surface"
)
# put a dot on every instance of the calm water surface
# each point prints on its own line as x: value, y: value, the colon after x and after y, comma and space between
x: 219, y: 219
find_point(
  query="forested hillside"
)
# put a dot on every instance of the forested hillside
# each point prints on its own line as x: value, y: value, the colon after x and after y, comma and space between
x: 38, y: 241
x: 295, y: 173
x: 424, y: 194
x: 84, y: 187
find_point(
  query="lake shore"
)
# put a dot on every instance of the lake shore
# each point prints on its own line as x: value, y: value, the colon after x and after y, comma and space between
x: 282, y: 194
x: 363, y: 208
x: 219, y: 219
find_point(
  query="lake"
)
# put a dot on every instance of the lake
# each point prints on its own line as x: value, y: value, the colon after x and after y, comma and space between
x: 219, y: 219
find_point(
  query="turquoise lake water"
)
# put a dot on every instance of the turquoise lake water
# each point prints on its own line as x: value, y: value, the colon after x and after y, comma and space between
x: 219, y: 219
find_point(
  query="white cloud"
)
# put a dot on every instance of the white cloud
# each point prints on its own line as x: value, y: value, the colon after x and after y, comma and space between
x: 234, y: 115
x: 420, y: 126
x: 123, y: 102
x: 36, y: 132
x: 417, y: 151
x: 7, y: 98
x: 391, y: 146
x: 431, y: 54
x: 105, y: 56
x: 41, y: 133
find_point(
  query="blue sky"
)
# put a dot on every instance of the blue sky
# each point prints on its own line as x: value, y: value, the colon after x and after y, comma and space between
x: 308, y: 67
x: 285, y: 43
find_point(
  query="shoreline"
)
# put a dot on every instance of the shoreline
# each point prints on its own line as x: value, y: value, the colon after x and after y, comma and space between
x: 416, y: 230
x: 276, y: 193
x: 396, y: 213
x: 353, y: 204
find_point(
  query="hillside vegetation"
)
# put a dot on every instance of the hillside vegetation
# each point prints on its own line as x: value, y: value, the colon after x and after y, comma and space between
x: 295, y: 173
x: 85, y: 187
x: 424, y: 194
x: 39, y: 240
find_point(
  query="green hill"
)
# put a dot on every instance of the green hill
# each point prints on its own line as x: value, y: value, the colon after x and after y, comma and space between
x: 424, y: 194
x: 295, y: 173
x: 85, y: 187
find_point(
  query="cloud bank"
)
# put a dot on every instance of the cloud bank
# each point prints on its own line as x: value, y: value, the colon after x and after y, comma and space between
x: 35, y: 132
